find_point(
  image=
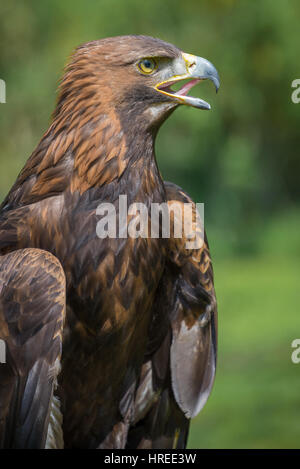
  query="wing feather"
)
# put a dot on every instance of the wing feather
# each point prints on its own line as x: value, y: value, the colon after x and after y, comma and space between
x: 32, y: 310
x: 180, y: 364
x: 193, y: 350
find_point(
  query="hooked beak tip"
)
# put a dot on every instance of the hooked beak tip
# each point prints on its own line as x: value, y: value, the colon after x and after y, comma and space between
x: 216, y: 82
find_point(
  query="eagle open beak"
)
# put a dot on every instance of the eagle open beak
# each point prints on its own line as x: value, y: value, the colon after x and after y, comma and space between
x: 197, y: 69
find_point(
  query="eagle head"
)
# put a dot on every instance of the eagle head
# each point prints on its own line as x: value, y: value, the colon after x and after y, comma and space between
x: 134, y: 75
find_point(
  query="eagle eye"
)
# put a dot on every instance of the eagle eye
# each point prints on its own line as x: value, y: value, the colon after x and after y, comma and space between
x: 147, y: 66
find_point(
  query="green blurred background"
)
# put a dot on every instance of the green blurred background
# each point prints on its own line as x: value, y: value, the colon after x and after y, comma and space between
x: 241, y: 159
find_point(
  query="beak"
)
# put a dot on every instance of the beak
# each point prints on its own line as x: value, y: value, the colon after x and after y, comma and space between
x: 189, y: 67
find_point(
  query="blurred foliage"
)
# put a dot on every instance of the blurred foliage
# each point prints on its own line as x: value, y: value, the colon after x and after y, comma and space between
x: 241, y: 159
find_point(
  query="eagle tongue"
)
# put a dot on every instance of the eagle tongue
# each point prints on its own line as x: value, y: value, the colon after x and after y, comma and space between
x: 187, y: 86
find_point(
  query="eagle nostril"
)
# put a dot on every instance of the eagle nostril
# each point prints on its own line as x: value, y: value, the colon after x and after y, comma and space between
x: 191, y: 66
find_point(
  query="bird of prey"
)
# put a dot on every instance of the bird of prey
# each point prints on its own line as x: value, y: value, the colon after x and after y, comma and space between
x: 110, y: 341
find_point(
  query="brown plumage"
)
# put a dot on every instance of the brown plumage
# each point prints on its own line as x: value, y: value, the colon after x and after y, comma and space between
x: 139, y: 333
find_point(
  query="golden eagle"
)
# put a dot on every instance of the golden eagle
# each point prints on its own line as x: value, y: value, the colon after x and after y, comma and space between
x: 110, y: 342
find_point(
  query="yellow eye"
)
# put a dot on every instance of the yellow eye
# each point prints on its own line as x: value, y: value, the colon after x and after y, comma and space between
x: 147, y: 66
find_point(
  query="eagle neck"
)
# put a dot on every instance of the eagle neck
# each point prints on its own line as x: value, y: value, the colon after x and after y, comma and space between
x: 108, y: 152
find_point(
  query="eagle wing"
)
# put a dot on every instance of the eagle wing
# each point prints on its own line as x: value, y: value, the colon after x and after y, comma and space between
x: 179, y: 369
x: 32, y: 311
